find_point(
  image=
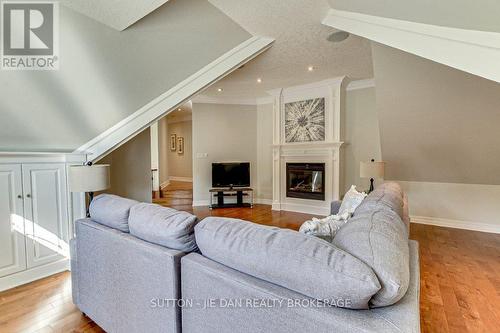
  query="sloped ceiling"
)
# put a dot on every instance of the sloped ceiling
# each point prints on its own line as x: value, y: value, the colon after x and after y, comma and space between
x: 437, y: 124
x: 118, y: 14
x: 300, y: 41
x: 463, y: 14
x: 106, y: 75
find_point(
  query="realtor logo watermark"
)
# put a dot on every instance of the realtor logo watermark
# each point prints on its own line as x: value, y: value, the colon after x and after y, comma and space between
x: 30, y: 35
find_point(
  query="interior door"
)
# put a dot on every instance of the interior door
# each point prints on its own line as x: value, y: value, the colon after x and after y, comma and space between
x: 12, y: 247
x: 46, y: 214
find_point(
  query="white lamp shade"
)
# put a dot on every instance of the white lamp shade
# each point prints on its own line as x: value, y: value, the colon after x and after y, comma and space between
x: 372, y: 170
x: 87, y: 178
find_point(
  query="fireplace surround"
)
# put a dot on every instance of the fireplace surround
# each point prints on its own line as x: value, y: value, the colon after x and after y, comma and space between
x: 299, y: 190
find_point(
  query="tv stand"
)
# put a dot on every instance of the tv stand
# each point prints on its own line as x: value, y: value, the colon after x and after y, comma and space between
x: 238, y: 192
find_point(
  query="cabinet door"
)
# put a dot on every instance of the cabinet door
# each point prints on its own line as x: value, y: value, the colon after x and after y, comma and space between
x: 12, y: 248
x: 46, y: 214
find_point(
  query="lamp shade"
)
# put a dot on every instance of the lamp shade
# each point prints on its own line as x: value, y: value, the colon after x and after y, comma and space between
x: 87, y: 178
x: 372, y: 170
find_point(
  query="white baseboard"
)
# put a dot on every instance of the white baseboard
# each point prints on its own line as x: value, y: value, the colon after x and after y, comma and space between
x: 30, y: 275
x: 306, y: 209
x: 198, y: 203
x: 457, y: 224
x: 263, y: 201
x: 181, y: 179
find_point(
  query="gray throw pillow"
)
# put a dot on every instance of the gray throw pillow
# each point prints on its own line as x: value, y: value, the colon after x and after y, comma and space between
x: 111, y: 210
x: 379, y: 238
x: 302, y: 263
x: 163, y: 226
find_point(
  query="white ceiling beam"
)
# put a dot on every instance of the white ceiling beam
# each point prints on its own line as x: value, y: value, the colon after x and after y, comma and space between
x: 475, y: 52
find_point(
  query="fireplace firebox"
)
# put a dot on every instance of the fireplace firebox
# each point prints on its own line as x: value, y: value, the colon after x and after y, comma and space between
x: 305, y: 180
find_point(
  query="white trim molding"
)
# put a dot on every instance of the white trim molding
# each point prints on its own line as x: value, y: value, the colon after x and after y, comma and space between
x: 361, y: 84
x: 32, y: 274
x: 472, y: 51
x: 457, y: 224
x: 328, y: 151
x: 200, y: 203
x: 352, y: 85
x: 180, y: 179
x: 174, y: 97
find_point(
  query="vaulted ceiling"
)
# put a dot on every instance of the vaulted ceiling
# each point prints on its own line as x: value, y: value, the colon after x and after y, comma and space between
x: 300, y: 42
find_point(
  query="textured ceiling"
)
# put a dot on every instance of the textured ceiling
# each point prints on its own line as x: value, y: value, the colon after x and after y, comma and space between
x: 118, y: 14
x: 301, y: 41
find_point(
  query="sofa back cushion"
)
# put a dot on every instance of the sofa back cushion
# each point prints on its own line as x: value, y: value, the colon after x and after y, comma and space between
x: 386, y: 196
x: 111, y: 210
x: 379, y: 238
x: 302, y: 263
x: 163, y: 226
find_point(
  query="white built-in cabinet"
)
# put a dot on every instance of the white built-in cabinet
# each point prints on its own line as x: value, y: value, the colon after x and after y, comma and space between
x: 35, y: 213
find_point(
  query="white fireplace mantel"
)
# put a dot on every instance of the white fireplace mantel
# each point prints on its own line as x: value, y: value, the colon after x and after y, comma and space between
x: 328, y: 151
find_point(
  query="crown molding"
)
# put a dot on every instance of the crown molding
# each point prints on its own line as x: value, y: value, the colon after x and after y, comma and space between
x: 203, y: 99
x: 174, y: 97
x: 472, y: 51
x: 352, y: 85
x: 361, y: 84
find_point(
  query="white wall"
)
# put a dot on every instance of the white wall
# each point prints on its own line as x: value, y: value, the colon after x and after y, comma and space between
x: 131, y: 168
x: 106, y: 75
x: 224, y: 133
x: 265, y: 152
x: 181, y: 165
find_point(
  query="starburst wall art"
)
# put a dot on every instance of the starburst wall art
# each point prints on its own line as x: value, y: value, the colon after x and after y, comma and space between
x: 305, y: 120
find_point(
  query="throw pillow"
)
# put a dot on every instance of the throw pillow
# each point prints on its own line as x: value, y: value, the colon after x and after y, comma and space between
x: 351, y: 201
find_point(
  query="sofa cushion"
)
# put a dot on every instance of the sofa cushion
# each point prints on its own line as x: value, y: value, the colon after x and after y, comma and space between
x: 379, y: 238
x: 111, y: 210
x: 163, y: 226
x: 302, y: 263
x: 386, y: 196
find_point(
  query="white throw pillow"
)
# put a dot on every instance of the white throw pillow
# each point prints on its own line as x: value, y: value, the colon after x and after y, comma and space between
x: 325, y: 228
x: 352, y: 199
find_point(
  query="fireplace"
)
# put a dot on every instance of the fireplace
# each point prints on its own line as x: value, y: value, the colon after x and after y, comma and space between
x: 305, y: 180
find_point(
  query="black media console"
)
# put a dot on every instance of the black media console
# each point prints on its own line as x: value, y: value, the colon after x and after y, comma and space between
x: 238, y: 192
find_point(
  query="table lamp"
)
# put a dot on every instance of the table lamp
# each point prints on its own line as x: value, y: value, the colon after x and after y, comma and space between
x: 372, y: 170
x: 89, y: 179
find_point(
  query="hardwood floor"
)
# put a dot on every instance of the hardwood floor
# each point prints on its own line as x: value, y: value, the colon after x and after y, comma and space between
x: 460, y: 280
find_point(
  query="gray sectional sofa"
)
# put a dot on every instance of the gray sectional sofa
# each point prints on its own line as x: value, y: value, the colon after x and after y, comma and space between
x: 230, y: 275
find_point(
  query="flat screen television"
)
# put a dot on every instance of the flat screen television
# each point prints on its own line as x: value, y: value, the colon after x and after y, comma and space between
x: 231, y: 174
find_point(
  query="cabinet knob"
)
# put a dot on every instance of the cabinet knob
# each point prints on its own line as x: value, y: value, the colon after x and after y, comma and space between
x: 28, y: 195
x: 19, y: 196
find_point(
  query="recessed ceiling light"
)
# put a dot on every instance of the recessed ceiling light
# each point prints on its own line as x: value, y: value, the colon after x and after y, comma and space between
x: 219, y: 89
x: 259, y: 80
x: 338, y: 36
x: 179, y: 109
x: 310, y: 68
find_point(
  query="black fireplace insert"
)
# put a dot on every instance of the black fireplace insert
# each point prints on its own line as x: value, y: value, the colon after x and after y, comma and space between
x: 305, y: 180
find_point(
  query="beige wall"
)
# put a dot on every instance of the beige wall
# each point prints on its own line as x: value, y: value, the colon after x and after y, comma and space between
x: 106, y: 75
x: 131, y: 168
x: 163, y: 150
x: 181, y: 165
x: 362, y: 139
x: 224, y: 133
x: 265, y: 151
x: 437, y: 124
